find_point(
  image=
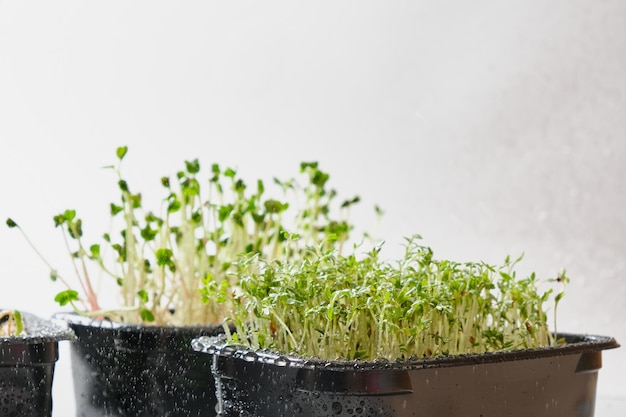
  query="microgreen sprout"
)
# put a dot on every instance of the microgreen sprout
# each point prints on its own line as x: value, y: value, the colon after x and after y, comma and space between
x: 161, y: 257
x: 347, y: 307
x: 11, y: 323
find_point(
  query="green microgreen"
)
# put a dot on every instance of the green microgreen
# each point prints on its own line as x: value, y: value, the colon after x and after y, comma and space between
x: 161, y: 257
x: 11, y: 323
x: 346, y: 307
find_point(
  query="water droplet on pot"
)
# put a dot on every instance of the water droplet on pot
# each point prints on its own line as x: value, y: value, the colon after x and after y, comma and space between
x: 282, y: 361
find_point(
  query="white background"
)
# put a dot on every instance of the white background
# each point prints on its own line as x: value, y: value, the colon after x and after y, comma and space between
x: 489, y: 127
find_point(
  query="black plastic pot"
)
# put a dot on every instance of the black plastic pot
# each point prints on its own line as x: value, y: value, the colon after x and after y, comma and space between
x: 555, y: 381
x: 124, y: 370
x: 27, y: 368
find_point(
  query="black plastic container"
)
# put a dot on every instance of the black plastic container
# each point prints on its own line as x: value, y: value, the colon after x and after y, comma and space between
x: 122, y: 370
x: 557, y: 381
x: 27, y: 368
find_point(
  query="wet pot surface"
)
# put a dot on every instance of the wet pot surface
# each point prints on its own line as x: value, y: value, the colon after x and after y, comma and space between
x: 555, y: 381
x: 26, y: 391
x: 27, y: 368
x: 124, y: 370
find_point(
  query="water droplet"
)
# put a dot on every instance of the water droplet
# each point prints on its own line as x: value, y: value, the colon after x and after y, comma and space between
x: 282, y: 361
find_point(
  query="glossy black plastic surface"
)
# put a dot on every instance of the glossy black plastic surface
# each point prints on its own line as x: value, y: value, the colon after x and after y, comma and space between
x: 554, y: 381
x: 134, y: 371
x: 27, y: 368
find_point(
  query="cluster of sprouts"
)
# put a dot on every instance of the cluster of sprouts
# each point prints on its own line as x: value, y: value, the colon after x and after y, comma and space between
x: 11, y: 323
x: 338, y: 307
x: 161, y: 257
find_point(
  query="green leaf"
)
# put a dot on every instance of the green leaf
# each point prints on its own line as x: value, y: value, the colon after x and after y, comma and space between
x: 274, y: 206
x: 350, y: 202
x: 240, y: 186
x: 135, y: 200
x: 330, y: 312
x: 95, y: 250
x: 164, y: 256
x: 148, y: 234
x: 307, y: 165
x: 230, y: 173
x: 59, y: 219
x: 66, y: 297
x: 196, y: 217
x: 173, y: 203
x: 75, y: 229
x: 123, y: 185
x: 121, y: 152
x: 319, y: 179
x: 558, y: 297
x: 143, y: 295
x: 258, y: 217
x: 193, y: 167
x: 19, y: 322
x: 238, y: 218
x: 224, y: 212
x: 66, y: 217
x: 190, y: 187
x: 69, y: 215
x: 115, y: 209
x: 147, y: 267
x: 147, y: 315
x: 121, y: 253
x: 11, y: 223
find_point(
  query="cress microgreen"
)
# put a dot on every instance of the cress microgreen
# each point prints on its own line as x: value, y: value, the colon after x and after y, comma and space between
x: 161, y: 257
x: 334, y: 306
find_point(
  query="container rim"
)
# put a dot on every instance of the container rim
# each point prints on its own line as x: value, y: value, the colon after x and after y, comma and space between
x: 575, y: 344
x: 107, y: 325
x: 134, y: 337
x: 38, y: 331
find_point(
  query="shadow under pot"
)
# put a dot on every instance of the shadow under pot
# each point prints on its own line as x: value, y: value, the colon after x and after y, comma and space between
x: 27, y: 364
x: 122, y: 370
x: 557, y: 381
